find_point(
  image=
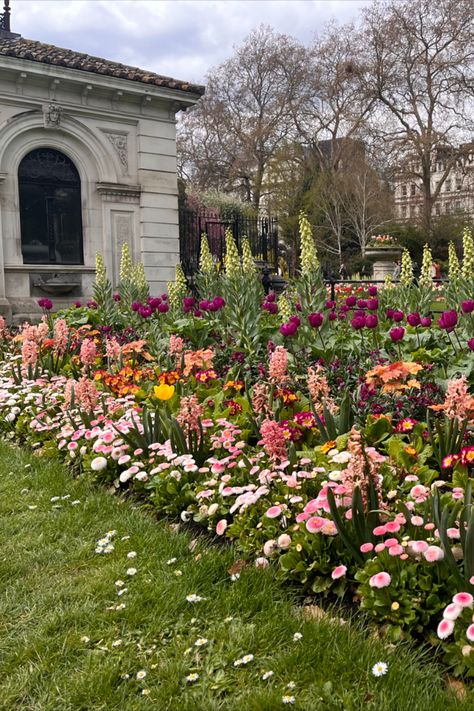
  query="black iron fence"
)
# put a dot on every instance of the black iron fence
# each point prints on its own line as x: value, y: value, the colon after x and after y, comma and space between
x: 262, y: 233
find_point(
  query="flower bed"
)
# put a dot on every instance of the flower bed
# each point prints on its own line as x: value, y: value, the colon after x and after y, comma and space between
x: 333, y: 440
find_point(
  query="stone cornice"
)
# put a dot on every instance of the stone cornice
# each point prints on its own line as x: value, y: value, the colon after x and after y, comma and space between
x: 119, y: 192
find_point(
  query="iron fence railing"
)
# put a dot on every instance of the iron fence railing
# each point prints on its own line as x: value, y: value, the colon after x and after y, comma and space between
x: 262, y: 233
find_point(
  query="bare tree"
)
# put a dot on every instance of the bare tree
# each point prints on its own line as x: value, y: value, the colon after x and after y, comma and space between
x: 228, y: 139
x: 418, y: 66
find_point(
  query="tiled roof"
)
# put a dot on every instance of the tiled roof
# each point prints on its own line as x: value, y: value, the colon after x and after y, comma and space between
x: 49, y: 54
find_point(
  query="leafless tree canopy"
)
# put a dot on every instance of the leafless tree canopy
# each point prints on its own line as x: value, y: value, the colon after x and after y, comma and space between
x: 400, y: 83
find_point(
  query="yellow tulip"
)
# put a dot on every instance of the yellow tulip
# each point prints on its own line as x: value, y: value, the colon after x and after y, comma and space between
x: 163, y: 391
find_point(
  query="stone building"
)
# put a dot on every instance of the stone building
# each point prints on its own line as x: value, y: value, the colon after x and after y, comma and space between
x: 87, y: 163
x: 456, y: 194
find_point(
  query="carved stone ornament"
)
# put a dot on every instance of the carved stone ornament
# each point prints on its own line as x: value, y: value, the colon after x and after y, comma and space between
x: 52, y: 115
x: 119, y: 142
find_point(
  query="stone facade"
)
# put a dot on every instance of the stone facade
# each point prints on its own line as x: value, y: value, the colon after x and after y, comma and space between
x: 120, y: 134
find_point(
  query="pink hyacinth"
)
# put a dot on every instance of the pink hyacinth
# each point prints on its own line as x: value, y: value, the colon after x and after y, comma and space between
x: 273, y: 439
x: 458, y: 401
x: 29, y: 353
x: 190, y: 414
x: 61, y: 335
x: 87, y: 394
x: 445, y: 628
x: 339, y: 572
x: 88, y: 352
x: 380, y: 580
x: 261, y: 399
x: 278, y: 365
x: 464, y: 599
x: 113, y: 350
x: 176, y: 345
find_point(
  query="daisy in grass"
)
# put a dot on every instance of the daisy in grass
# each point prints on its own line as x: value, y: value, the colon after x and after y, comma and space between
x: 191, y: 678
x: 287, y: 699
x: 194, y: 598
x: 380, y: 668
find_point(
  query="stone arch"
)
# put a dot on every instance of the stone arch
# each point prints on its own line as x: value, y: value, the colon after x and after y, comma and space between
x: 27, y: 131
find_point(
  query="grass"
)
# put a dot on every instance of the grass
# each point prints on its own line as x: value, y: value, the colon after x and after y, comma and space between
x: 57, y: 635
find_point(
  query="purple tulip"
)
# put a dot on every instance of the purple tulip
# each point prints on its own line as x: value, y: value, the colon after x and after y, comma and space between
x: 351, y: 301
x: 390, y: 313
x: 163, y: 308
x: 343, y: 308
x: 414, y: 319
x: 212, y: 306
x: 164, y: 297
x: 371, y: 320
x: 45, y: 304
x: 188, y: 302
x: 342, y: 316
x: 358, y: 322
x: 470, y: 344
x: 329, y: 304
x: 362, y: 304
x: 91, y: 304
x: 448, y: 320
x: 204, y: 304
x: 332, y: 315
x: 296, y: 320
x: 298, y: 306
x: 271, y: 296
x: 77, y: 304
x: 116, y: 297
x: 373, y: 291
x: 154, y: 302
x: 425, y: 321
x: 145, y: 311
x: 136, y: 305
x: 397, y: 333
x: 467, y: 306
x: 397, y: 316
x: 219, y: 302
x: 197, y: 313
x: 289, y: 328
x: 315, y: 319
x: 372, y: 304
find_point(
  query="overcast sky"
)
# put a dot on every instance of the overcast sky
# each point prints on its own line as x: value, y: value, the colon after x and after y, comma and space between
x: 178, y: 38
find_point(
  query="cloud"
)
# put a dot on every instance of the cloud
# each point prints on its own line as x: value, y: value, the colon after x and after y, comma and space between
x: 179, y: 38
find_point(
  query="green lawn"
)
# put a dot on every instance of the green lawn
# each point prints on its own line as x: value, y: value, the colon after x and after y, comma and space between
x: 62, y: 647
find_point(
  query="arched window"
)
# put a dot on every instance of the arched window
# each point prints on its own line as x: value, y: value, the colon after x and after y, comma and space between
x: 50, y: 208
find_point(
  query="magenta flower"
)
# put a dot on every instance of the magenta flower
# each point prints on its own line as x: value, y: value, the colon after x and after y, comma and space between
x: 315, y: 319
x: 397, y: 316
x: 373, y: 290
x: 358, y: 322
x: 470, y: 344
x: 397, y: 333
x: 372, y: 304
x: 351, y: 301
x: 163, y: 308
x: 448, y: 320
x: 467, y: 307
x: 371, y: 321
x: 289, y: 328
x: 45, y: 304
x: 380, y: 580
x: 414, y: 319
x: 425, y: 321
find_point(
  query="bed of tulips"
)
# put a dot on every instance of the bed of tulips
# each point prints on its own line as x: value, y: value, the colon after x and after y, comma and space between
x: 331, y: 439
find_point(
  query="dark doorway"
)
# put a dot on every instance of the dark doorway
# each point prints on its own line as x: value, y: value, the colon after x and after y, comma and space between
x: 50, y: 208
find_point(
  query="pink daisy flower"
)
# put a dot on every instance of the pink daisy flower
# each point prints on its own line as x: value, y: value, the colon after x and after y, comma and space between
x: 433, y: 553
x: 380, y: 580
x: 470, y: 633
x: 339, y: 572
x: 464, y: 599
x: 366, y: 547
x: 315, y: 524
x: 445, y: 628
x: 273, y: 512
x: 452, y: 611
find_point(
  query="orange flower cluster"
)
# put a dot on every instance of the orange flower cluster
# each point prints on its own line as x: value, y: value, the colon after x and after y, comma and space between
x: 200, y: 359
x: 126, y: 381
x: 392, y: 378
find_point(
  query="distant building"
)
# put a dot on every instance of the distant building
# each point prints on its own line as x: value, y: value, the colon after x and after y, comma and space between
x: 457, y: 192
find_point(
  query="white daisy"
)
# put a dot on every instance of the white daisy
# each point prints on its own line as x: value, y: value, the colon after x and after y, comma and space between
x: 141, y: 674
x: 191, y: 678
x: 380, y: 668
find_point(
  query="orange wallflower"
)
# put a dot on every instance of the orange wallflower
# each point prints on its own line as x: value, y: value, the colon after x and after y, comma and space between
x: 201, y: 359
x: 391, y: 377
